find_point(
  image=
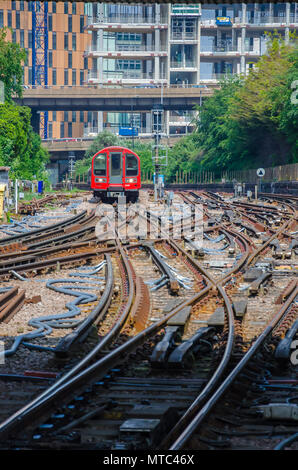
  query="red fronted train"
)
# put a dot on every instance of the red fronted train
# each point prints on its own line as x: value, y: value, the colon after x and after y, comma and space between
x: 116, y: 171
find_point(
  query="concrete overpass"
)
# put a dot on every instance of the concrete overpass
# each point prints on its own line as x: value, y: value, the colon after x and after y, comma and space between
x: 95, y: 98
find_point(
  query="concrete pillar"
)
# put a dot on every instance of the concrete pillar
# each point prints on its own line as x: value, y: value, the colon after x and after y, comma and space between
x: 157, y: 13
x: 198, y: 50
x: 157, y: 58
x: 244, y: 9
x: 271, y: 12
x: 287, y: 30
x: 243, y: 34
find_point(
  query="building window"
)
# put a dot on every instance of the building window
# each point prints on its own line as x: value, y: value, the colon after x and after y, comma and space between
x: 66, y: 8
x: 66, y: 41
x: 65, y: 77
x: 14, y: 36
x: 54, y: 116
x: 82, y: 23
x: 74, y: 42
x: 70, y: 23
x: 22, y: 43
x: 74, y: 116
x: 54, y: 77
x: 61, y: 130
x: 53, y: 7
x: 74, y: 77
x: 13, y: 5
x: 70, y: 60
x: 81, y: 77
x: 81, y: 116
x: 9, y: 21
x: 30, y: 75
x: 66, y: 116
x: 29, y: 39
x: 22, y: 6
x: 54, y: 40
x: 1, y: 18
x: 30, y: 6
x: 17, y: 20
x: 50, y: 130
x: 69, y: 130
x: 50, y: 22
x: 74, y: 8
x: 50, y: 58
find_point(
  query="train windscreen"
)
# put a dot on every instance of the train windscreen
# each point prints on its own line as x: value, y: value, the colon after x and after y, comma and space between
x: 100, y: 165
x: 131, y: 165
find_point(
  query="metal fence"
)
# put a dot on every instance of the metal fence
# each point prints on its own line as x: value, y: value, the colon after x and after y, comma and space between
x: 272, y: 174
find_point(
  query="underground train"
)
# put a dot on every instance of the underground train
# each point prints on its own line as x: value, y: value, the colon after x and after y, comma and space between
x: 115, y: 171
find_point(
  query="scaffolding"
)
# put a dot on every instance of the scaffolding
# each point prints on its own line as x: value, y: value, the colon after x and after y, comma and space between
x: 40, y: 54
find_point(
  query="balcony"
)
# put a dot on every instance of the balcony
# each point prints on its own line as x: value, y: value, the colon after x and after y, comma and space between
x: 127, y: 51
x: 225, y: 49
x: 124, y: 77
x: 183, y: 120
x: 183, y: 64
x: 267, y: 20
x: 216, y: 77
x: 183, y: 35
x: 126, y: 21
x: 186, y: 9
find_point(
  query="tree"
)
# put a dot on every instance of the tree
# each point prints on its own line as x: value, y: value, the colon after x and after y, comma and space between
x: 252, y: 121
x: 11, y: 72
x: 20, y: 147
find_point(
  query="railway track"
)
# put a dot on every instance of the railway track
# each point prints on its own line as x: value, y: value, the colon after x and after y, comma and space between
x: 175, y: 330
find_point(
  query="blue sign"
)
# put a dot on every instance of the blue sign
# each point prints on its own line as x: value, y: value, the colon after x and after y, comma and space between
x: 128, y: 131
x: 223, y: 21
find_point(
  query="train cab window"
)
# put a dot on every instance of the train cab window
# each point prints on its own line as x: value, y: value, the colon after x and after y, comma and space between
x: 100, y: 165
x: 115, y: 163
x: 131, y: 165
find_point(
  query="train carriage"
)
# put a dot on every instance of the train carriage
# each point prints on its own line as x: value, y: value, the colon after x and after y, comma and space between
x: 116, y: 171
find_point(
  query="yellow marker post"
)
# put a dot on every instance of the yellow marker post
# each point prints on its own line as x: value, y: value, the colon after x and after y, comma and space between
x: 2, y: 194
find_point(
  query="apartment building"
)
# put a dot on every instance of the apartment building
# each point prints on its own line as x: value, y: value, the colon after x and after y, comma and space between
x: 177, y: 45
x: 64, y: 39
x: 141, y: 45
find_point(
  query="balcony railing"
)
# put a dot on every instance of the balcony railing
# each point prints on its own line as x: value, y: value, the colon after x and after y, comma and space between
x: 186, y: 9
x: 183, y: 35
x: 123, y: 75
x: 126, y: 19
x: 215, y: 76
x: 266, y: 20
x: 175, y: 64
x: 128, y: 48
x: 221, y: 49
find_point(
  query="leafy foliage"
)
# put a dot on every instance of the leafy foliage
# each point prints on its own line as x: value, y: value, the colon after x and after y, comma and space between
x: 20, y: 147
x: 11, y: 72
x: 252, y: 121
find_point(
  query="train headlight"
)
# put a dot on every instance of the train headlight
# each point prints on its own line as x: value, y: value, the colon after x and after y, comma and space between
x: 131, y: 180
x: 100, y: 180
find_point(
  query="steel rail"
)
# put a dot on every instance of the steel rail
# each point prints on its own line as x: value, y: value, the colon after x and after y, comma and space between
x: 204, y: 412
x: 47, y: 228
